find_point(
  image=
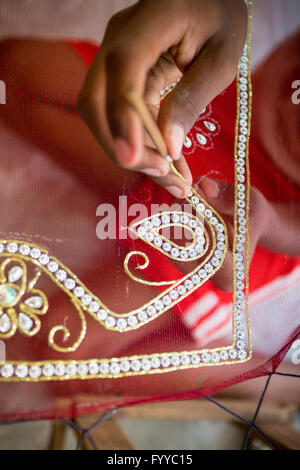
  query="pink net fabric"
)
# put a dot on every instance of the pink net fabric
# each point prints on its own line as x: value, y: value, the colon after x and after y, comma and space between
x: 68, y: 355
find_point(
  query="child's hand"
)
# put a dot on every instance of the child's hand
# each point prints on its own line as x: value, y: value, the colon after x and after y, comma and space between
x: 149, y: 46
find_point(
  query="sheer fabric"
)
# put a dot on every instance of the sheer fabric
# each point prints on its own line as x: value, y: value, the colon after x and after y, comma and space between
x: 71, y: 345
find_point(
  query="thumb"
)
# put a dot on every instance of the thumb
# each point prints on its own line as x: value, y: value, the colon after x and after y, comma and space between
x: 202, y: 81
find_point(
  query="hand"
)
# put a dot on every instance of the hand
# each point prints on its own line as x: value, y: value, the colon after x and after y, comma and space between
x: 263, y: 226
x: 149, y: 46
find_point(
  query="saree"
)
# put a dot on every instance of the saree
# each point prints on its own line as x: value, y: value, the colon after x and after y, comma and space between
x: 107, y: 296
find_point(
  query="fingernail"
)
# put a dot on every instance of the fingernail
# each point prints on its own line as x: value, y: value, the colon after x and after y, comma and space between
x: 152, y: 172
x: 175, y: 191
x: 122, y: 150
x: 176, y: 139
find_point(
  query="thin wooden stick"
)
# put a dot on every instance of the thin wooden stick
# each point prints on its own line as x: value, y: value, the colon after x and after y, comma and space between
x: 136, y: 102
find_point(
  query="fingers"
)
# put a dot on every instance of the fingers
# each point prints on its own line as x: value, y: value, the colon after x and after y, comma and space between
x: 175, y: 185
x: 208, y: 75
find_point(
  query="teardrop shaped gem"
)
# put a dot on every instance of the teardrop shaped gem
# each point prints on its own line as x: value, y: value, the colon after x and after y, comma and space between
x: 5, y: 323
x: 15, y: 274
x: 7, y: 295
x: 35, y: 302
x: 210, y: 126
x: 187, y: 142
x: 201, y: 139
x: 26, y: 323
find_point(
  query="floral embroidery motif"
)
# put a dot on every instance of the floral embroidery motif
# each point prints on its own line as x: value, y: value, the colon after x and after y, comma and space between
x: 20, y: 304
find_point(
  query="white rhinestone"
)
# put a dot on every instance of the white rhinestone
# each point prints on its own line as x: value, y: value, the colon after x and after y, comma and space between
x: 48, y: 370
x: 104, y: 368
x: 240, y: 334
x: 214, y: 220
x: 71, y: 369
x: 240, y: 344
x: 219, y: 228
x: 165, y: 361
x: 193, y: 223
x: 148, y: 224
x: 215, y: 261
x: 35, y: 372
x: 166, y: 246
x: 44, y: 259
x: 242, y: 229
x: 215, y: 357
x: 159, y: 305
x: 82, y: 369
x: 61, y: 275
x: 201, y: 139
x: 15, y: 274
x: 195, y: 200
x: 35, y: 253
x: 196, y: 279
x: 86, y: 299
x: 5, y: 323
x: 233, y: 353
x: 242, y: 355
x: 185, y: 359
x: 69, y: 283
x: 199, y: 232
x: 141, y: 231
x: 149, y: 236
x: 151, y: 310
x: 60, y: 370
x: 198, y: 248
x: 146, y: 364
x: 221, y: 237
x: 157, y: 241
x: 121, y: 323
x: 21, y: 370
x: 208, y: 213
x: 155, y: 362
x: 93, y: 368
x: 240, y: 285
x: 35, y: 302
x: 241, y: 178
x: 1, y: 247
x: 110, y: 322
x: 208, y: 267
x: 206, y: 357
x: 187, y: 142
x: 165, y: 218
x: 7, y: 370
x: 94, y: 307
x: 167, y: 300
x: 132, y: 321
x: 175, y: 218
x: 125, y: 366
x: 201, y: 207
x: 25, y: 322
x: 174, y: 294
x: 12, y: 247
x: 175, y: 252
x: 210, y: 126
x: 114, y: 368
x: 156, y: 221
x: 135, y: 365
x: 142, y: 316
x: 189, y: 284
x: 79, y: 291
x: 202, y: 273
x: 195, y: 359
x: 181, y: 290
x: 221, y: 246
x: 185, y: 219
x: 175, y: 361
x: 192, y: 253
x: 224, y: 355
x: 183, y: 254
x: 52, y: 266
x: 102, y: 314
